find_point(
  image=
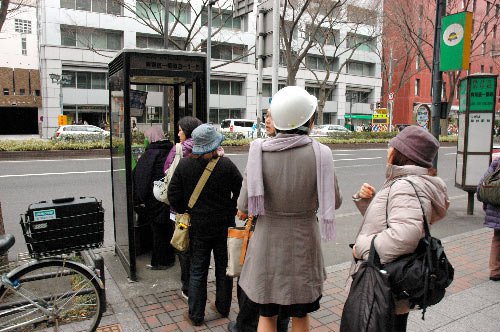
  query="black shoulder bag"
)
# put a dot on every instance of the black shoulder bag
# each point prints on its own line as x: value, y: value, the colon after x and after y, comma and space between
x: 423, y: 276
x: 370, y: 305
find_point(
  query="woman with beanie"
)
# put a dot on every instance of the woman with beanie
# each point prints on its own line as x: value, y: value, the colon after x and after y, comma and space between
x: 186, y: 126
x: 290, y: 184
x: 211, y: 216
x: 492, y: 220
x: 150, y: 168
x: 394, y: 214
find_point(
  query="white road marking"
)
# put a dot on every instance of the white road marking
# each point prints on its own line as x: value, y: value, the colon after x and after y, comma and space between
x: 353, y: 159
x: 51, y: 160
x: 451, y: 153
x: 49, y: 174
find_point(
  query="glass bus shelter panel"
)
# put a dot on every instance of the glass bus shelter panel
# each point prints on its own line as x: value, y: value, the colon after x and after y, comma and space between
x: 121, y: 170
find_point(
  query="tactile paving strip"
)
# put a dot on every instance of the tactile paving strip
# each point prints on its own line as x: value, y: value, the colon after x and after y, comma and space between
x: 110, y: 328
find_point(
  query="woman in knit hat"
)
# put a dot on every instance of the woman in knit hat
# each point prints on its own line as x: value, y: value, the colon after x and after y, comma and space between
x: 394, y: 214
x: 211, y: 216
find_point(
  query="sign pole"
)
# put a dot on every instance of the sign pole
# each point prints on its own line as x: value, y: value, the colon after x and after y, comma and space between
x: 437, y: 75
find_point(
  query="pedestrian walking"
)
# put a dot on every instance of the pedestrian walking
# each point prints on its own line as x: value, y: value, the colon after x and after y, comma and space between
x: 186, y: 126
x: 211, y: 216
x: 248, y: 316
x: 492, y: 220
x: 394, y: 214
x: 148, y: 169
x: 289, y: 184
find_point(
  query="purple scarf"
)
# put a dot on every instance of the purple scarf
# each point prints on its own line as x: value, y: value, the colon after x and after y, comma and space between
x: 187, y: 148
x: 324, y: 177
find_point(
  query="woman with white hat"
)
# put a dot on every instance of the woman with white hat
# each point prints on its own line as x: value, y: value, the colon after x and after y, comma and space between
x: 290, y: 184
x: 211, y: 216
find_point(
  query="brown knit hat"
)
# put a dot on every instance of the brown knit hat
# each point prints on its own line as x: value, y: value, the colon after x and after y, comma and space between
x: 417, y: 144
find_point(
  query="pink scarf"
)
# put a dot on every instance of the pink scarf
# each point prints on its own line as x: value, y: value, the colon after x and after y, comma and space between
x: 324, y: 177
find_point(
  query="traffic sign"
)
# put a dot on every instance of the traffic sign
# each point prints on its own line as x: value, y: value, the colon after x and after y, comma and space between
x: 391, y: 96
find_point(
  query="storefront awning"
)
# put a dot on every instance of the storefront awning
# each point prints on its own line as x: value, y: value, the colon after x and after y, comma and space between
x: 358, y: 116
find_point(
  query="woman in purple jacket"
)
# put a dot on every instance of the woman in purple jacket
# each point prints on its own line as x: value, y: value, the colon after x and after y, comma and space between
x: 186, y: 126
x: 492, y: 220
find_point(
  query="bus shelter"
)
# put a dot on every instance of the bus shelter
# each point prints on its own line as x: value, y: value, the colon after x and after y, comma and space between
x: 130, y: 72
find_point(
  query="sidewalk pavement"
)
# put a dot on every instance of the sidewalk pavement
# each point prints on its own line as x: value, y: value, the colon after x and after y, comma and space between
x: 472, y: 302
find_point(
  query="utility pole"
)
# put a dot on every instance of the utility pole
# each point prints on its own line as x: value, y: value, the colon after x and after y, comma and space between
x: 276, y: 45
x: 437, y: 75
x: 209, y: 53
x: 165, y: 108
x: 389, y: 89
x: 260, y: 65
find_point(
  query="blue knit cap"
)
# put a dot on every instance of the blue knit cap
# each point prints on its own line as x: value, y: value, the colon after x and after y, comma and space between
x: 206, y: 139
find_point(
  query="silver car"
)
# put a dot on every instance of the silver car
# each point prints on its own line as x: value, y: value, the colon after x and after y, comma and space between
x: 74, y: 130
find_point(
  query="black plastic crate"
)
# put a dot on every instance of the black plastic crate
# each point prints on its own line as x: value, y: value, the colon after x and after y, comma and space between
x: 63, y: 225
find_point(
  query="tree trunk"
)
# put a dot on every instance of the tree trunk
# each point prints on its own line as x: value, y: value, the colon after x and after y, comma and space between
x: 3, y: 12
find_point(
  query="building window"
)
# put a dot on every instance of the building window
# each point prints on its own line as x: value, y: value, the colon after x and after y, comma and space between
x: 5, y: 91
x: 216, y: 115
x: 22, y: 26
x: 488, y: 7
x: 221, y: 19
x: 22, y: 92
x: 497, y: 11
x: 491, y: 69
x: 152, y: 11
x: 149, y: 41
x: 267, y: 89
x: 361, y: 15
x: 482, y: 68
x: 360, y: 68
x: 362, y: 43
x: 420, y: 12
x: 320, y: 35
x: 417, y: 62
x: 318, y: 62
x: 316, y: 90
x: 483, y: 48
x: 84, y: 80
x: 473, y: 5
x: 228, y: 51
x: 354, y: 96
x: 98, y: 6
x: 463, y: 4
x: 494, y: 32
x: 485, y: 28
x: 91, y: 38
x: 417, y: 87
x: 221, y: 87
x: 37, y: 93
x: 24, y: 51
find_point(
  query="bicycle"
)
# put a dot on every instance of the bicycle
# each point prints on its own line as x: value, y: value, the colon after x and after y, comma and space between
x: 53, y: 292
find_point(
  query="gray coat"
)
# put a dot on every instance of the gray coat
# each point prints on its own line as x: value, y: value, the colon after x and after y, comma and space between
x: 284, y: 262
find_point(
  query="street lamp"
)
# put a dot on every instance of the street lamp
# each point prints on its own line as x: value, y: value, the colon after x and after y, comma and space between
x: 209, y: 53
x: 57, y: 79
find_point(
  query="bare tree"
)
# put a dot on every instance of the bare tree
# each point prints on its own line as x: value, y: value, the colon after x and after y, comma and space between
x: 9, y: 8
x: 414, y: 24
x: 186, y: 21
x: 311, y: 38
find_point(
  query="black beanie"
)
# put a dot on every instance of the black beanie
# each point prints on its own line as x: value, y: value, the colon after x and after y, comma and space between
x: 188, y: 124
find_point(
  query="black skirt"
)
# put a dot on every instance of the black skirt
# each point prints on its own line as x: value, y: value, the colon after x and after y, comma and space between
x: 293, y: 310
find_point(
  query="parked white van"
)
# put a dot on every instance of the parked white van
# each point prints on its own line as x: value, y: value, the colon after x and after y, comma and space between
x: 245, y: 126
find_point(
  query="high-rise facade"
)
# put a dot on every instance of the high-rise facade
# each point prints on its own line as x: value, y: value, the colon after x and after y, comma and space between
x: 78, y: 38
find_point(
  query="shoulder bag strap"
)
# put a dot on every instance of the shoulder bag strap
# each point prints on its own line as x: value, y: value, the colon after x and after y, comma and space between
x: 178, y: 149
x: 201, y: 182
x: 426, y: 225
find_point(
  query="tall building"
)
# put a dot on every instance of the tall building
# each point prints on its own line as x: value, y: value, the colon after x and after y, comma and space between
x: 406, y: 68
x: 78, y: 38
x: 20, y: 98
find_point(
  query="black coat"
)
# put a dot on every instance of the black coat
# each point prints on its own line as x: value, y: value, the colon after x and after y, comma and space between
x: 149, y: 168
x: 216, y: 206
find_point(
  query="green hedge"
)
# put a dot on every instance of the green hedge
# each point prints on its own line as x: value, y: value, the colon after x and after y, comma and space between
x: 42, y: 145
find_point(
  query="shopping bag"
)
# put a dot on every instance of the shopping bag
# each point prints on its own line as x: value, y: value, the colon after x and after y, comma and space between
x: 237, y: 244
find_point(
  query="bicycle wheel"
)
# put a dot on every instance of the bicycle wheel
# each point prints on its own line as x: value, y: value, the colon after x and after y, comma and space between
x: 53, y: 295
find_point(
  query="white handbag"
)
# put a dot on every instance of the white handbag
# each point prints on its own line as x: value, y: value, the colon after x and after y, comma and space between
x: 160, y: 187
